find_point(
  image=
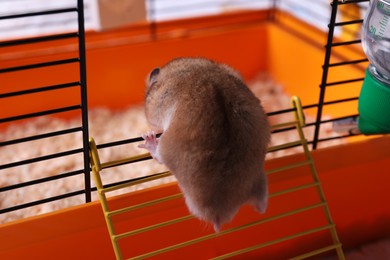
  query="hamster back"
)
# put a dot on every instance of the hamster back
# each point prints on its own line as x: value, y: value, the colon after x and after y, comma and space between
x: 214, y: 136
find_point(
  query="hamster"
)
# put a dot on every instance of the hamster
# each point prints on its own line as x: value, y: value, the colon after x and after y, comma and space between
x: 214, y: 137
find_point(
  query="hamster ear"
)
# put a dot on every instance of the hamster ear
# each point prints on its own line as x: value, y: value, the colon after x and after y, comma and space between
x: 153, y: 76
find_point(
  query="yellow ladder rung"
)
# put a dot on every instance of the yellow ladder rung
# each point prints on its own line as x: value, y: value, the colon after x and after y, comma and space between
x: 317, y: 252
x: 142, y: 205
x: 283, y: 125
x: 288, y: 167
x: 269, y: 243
x: 293, y: 212
x: 126, y: 160
x: 132, y: 183
x: 285, y: 146
x: 152, y: 227
x: 297, y: 188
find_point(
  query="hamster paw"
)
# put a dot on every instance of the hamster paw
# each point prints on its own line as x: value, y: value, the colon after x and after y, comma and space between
x: 151, y: 143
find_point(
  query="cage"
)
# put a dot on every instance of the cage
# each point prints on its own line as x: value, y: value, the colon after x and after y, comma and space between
x: 327, y: 182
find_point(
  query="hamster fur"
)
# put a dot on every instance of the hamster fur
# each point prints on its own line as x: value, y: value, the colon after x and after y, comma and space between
x: 214, y: 136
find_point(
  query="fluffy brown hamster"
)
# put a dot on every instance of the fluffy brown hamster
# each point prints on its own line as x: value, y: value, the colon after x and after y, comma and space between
x: 214, y: 136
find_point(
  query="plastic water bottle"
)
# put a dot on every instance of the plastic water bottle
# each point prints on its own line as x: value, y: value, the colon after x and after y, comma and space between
x: 374, y: 100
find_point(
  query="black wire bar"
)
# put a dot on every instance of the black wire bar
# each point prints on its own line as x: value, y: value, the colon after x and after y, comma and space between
x: 334, y: 119
x: 40, y: 65
x: 41, y: 158
x: 41, y: 136
x: 41, y: 180
x: 335, y: 44
x: 342, y: 82
x: 40, y: 89
x: 48, y: 12
x: 342, y: 63
x: 84, y: 99
x: 41, y: 113
x: 348, y: 22
x: 42, y: 201
x: 39, y: 39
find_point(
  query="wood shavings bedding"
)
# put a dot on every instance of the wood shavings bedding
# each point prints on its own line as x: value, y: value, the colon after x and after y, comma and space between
x: 105, y: 126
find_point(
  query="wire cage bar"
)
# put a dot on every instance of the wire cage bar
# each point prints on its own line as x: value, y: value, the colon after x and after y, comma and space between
x: 49, y: 90
x: 351, y: 16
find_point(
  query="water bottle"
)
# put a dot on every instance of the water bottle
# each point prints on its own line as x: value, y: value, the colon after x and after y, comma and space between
x: 374, y: 100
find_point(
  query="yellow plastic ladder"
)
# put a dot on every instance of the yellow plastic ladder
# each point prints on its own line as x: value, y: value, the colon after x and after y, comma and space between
x: 298, y: 123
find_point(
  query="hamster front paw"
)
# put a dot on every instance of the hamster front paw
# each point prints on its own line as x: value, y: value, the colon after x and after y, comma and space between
x: 151, y: 143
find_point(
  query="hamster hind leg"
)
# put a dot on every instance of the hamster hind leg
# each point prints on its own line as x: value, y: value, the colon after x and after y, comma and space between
x: 259, y: 197
x: 207, y: 215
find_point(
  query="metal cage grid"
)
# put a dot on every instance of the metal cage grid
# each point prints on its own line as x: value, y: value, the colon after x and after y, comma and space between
x: 334, y: 46
x: 78, y: 62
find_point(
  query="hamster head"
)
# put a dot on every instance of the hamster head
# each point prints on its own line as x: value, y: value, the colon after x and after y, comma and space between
x: 153, y: 101
x: 159, y: 100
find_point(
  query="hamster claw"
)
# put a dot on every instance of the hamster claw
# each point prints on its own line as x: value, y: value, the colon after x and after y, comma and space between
x: 217, y: 228
x: 217, y: 225
x: 151, y: 141
x: 261, y: 205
